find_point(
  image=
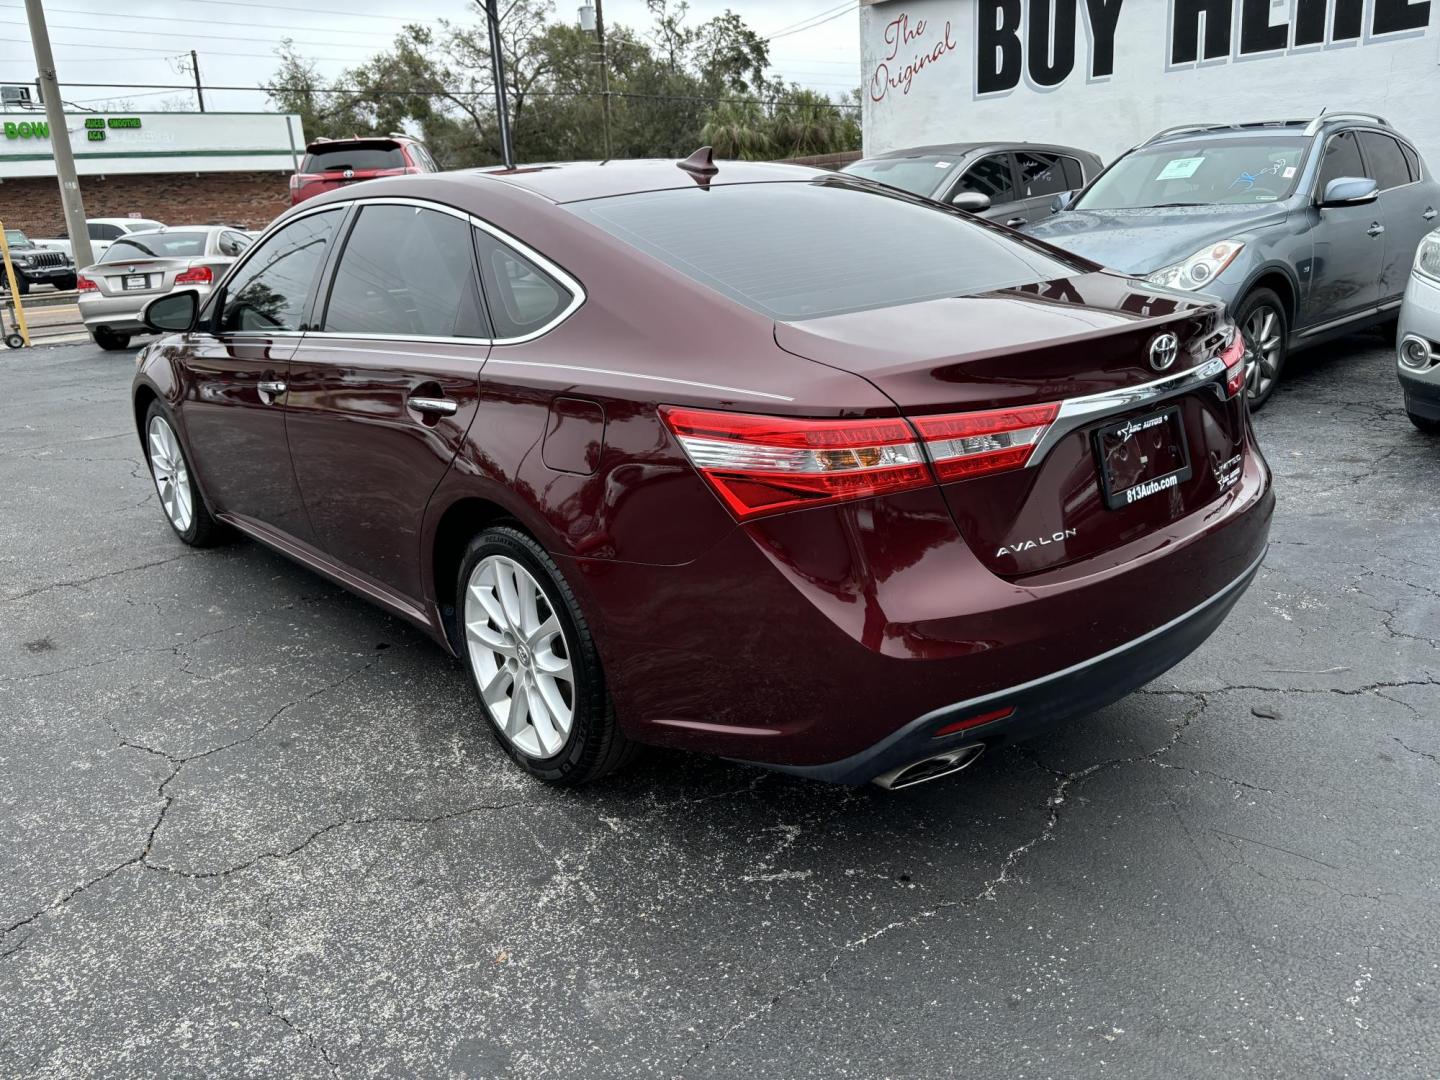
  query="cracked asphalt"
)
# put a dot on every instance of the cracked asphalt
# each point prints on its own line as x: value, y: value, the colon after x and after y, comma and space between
x: 250, y: 826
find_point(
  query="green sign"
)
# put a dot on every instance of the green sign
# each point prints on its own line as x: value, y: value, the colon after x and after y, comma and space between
x: 94, y: 127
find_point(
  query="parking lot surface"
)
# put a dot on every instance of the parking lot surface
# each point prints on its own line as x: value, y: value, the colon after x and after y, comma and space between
x: 250, y: 825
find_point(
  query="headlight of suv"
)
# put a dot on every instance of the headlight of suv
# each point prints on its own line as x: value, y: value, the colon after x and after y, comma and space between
x: 1427, y: 258
x: 20, y: 260
x: 1199, y: 269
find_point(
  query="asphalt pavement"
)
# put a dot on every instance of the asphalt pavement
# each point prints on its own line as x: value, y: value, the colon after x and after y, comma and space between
x: 251, y: 826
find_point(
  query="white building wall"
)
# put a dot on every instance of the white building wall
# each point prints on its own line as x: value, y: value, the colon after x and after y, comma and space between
x: 921, y: 69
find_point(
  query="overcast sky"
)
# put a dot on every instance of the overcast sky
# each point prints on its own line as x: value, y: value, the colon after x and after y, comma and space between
x: 94, y: 42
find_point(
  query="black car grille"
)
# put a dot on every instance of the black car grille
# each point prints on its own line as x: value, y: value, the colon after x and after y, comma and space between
x: 47, y: 259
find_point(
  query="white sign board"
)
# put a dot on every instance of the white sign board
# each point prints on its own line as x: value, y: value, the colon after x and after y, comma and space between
x: 1103, y: 75
x: 114, y: 143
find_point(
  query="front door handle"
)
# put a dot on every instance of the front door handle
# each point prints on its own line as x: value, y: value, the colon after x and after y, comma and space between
x: 1429, y: 214
x: 1015, y: 222
x: 273, y: 387
x: 435, y: 406
x: 1375, y: 230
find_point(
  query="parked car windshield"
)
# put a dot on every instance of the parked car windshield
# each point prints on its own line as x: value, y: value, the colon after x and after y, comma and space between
x: 339, y: 158
x: 803, y: 250
x: 920, y: 175
x: 16, y: 238
x: 1203, y: 173
x: 157, y: 245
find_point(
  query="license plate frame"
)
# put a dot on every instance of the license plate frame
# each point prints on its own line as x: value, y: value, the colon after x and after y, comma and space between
x: 135, y: 282
x: 1113, y: 439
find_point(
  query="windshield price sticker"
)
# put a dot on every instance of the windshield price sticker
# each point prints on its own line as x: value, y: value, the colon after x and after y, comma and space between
x: 1180, y: 168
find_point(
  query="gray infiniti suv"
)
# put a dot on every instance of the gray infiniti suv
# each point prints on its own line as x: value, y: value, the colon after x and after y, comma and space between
x: 1306, y: 229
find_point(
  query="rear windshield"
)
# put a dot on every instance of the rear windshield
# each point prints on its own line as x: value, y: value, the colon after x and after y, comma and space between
x: 143, y: 226
x: 803, y: 250
x: 920, y: 175
x: 339, y: 158
x: 1208, y: 172
x: 159, y: 245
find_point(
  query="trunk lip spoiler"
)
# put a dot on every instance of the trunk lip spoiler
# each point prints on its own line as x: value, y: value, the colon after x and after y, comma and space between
x: 1076, y: 412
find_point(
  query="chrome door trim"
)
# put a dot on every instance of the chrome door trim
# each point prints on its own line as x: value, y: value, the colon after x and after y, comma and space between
x: 1076, y: 412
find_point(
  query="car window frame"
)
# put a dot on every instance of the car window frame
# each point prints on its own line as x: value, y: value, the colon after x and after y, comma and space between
x: 333, y: 260
x: 352, y: 207
x: 1322, y: 143
x: 214, y: 307
x: 1062, y: 162
x: 1009, y: 155
x: 1379, y: 134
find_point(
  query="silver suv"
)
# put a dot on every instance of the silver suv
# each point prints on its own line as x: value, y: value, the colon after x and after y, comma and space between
x: 1306, y: 228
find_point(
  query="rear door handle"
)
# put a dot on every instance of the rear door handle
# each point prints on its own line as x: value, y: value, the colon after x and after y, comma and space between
x: 1429, y: 214
x: 435, y: 406
x: 1375, y: 229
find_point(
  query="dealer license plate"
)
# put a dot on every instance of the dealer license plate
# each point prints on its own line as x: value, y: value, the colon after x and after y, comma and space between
x: 136, y: 281
x: 1142, y: 456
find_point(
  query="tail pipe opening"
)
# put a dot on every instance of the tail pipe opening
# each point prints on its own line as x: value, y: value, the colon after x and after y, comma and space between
x: 931, y: 768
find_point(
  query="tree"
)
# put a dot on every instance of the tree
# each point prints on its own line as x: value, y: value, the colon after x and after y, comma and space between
x: 671, y: 89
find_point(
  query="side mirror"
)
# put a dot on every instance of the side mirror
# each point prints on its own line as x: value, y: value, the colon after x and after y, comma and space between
x: 972, y: 202
x: 1062, y: 201
x: 175, y: 313
x: 1350, y: 191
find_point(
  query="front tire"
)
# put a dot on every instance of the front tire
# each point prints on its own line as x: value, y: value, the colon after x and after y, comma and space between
x: 534, y: 663
x: 1266, y: 330
x: 109, y: 340
x: 1424, y: 423
x: 170, y: 469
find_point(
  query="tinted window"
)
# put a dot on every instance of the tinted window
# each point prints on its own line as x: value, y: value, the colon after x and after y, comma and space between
x: 1387, y: 163
x: 777, y: 249
x: 990, y: 176
x: 406, y: 270
x: 520, y: 296
x: 918, y: 175
x: 339, y: 158
x: 1074, y: 174
x: 1342, y: 158
x: 104, y: 232
x: 271, y: 290
x: 1412, y: 160
x: 159, y: 245
x: 1041, y: 174
x: 1206, y: 172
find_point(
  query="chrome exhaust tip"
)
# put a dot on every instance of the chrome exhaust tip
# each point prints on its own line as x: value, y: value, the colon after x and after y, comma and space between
x: 930, y: 768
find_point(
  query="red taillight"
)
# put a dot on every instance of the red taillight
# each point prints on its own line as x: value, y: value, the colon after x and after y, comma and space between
x: 199, y: 275
x: 1234, y: 357
x: 764, y: 464
x: 963, y: 445
x: 84, y: 284
x: 974, y: 721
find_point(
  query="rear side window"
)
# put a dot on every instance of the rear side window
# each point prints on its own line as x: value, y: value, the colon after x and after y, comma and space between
x: 990, y: 176
x: 340, y: 158
x: 409, y: 271
x: 521, y: 297
x: 271, y: 291
x: 1342, y: 158
x: 1412, y: 159
x: 1387, y: 163
x: 101, y: 231
x: 777, y: 248
x: 159, y: 245
x: 1041, y: 174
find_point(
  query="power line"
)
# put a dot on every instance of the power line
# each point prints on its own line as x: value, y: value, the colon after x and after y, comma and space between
x: 289, y: 9
x: 813, y: 25
x: 188, y: 35
x: 205, y: 22
x: 807, y: 18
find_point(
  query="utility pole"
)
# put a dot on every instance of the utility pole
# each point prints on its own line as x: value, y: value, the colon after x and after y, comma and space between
x: 70, y: 200
x: 604, y: 72
x: 195, y: 67
x: 497, y: 67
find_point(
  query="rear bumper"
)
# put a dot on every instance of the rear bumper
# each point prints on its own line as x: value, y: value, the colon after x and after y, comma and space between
x: 1076, y: 691
x: 122, y: 313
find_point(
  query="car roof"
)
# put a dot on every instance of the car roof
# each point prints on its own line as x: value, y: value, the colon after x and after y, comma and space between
x: 957, y: 149
x: 114, y: 220
x: 576, y: 180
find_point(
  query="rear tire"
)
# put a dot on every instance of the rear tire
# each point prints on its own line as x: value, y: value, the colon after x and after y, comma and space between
x: 109, y: 340
x: 533, y: 663
x: 175, y: 482
x: 1424, y: 423
x: 1266, y: 330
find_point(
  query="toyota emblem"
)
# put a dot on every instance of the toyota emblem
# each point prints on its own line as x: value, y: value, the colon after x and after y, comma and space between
x: 1163, y: 351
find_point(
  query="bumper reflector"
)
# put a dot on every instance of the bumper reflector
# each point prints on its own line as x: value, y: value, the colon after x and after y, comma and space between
x: 974, y: 721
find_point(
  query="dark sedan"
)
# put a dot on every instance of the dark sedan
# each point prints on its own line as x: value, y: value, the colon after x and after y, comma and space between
x: 665, y: 456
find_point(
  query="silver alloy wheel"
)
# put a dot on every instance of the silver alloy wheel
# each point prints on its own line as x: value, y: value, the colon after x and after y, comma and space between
x: 520, y: 656
x: 172, y: 478
x: 1262, y: 350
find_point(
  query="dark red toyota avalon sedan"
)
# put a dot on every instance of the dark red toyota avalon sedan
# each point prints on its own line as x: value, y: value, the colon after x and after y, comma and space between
x: 753, y: 460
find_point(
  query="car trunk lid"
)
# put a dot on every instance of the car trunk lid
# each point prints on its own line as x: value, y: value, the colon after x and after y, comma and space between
x: 1082, y: 345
